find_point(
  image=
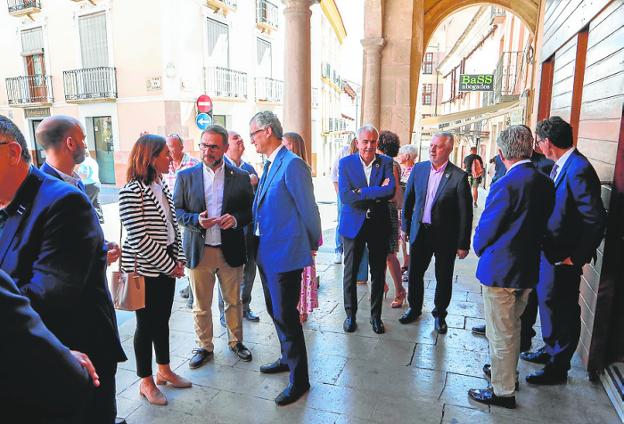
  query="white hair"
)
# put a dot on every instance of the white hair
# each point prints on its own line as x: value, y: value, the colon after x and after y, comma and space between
x: 368, y: 128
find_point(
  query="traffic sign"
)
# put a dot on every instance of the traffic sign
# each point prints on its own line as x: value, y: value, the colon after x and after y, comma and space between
x: 203, y: 120
x: 204, y: 104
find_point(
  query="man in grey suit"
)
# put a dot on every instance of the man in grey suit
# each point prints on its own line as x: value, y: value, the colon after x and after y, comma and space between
x: 213, y: 203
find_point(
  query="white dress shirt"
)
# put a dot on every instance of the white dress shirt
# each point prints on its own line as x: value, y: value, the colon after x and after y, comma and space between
x: 73, y: 179
x: 520, y: 162
x: 561, y: 161
x: 368, y: 169
x: 344, y: 152
x: 213, y: 193
x: 271, y: 158
x: 164, y: 204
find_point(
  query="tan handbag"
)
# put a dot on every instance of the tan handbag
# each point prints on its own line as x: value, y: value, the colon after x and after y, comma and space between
x: 127, y: 288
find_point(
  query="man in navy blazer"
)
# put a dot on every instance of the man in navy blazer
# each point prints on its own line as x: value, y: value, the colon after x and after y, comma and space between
x: 573, y: 233
x: 365, y: 184
x: 213, y: 204
x: 437, y: 220
x: 287, y: 228
x: 51, y: 245
x: 508, y: 242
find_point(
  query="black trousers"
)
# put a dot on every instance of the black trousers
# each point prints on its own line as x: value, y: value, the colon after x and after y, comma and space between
x: 153, y: 324
x: 103, y: 406
x: 281, y: 294
x: 422, y: 250
x: 374, y: 235
x: 93, y: 193
x: 528, y: 318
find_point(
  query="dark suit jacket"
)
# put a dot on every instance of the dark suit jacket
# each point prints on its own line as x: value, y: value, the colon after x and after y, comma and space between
x: 451, y: 212
x: 189, y: 200
x: 371, y: 197
x: 578, y: 221
x: 509, y: 236
x: 52, y: 247
x: 40, y: 378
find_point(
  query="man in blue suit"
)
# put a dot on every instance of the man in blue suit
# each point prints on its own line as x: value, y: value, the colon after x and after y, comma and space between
x: 437, y: 220
x: 51, y: 245
x: 573, y: 233
x: 287, y: 228
x: 508, y: 242
x: 365, y: 184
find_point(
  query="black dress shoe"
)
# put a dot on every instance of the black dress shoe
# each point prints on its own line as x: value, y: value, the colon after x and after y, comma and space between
x: 274, y: 367
x: 291, y: 394
x: 440, y: 325
x: 200, y: 357
x: 242, y: 352
x: 378, y: 326
x: 487, y: 370
x: 250, y: 316
x: 410, y: 315
x: 349, y: 325
x: 545, y: 377
x: 488, y: 397
x: 540, y: 356
x: 479, y: 329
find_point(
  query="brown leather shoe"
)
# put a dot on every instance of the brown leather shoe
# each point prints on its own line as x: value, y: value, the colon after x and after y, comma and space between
x: 174, y: 379
x: 153, y: 395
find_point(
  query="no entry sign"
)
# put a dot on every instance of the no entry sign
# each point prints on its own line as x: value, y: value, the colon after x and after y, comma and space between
x: 204, y: 104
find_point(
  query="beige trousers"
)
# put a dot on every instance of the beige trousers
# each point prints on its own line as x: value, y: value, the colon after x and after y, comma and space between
x: 202, y: 278
x: 503, y: 309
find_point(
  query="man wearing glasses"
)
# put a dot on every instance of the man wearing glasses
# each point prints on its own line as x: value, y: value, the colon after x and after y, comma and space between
x: 213, y: 204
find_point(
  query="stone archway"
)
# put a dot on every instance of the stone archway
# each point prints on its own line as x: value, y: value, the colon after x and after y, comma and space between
x: 396, y: 33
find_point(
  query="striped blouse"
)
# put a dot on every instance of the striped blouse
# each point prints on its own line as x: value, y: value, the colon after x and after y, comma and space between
x: 145, y: 222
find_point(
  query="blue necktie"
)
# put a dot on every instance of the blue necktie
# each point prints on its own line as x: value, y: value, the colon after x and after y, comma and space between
x: 265, y: 172
x: 553, y: 172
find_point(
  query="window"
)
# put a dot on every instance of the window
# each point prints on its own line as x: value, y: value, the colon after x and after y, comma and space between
x: 428, y: 63
x: 265, y: 60
x: 427, y: 90
x: 32, y: 51
x: 426, y: 115
x: 93, y: 40
x: 218, y: 44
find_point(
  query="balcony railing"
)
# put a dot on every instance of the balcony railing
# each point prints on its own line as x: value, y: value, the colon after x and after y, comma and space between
x: 269, y: 90
x: 508, y: 79
x: 496, y: 12
x: 267, y: 15
x: 23, y: 7
x: 315, y: 97
x: 225, y: 82
x: 90, y: 84
x: 29, y: 90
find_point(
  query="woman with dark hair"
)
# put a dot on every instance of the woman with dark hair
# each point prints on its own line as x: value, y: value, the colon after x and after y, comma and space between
x: 389, y: 145
x: 153, y: 248
x: 308, y: 299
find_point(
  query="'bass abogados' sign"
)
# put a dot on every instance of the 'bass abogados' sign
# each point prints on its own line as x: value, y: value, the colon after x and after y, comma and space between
x: 476, y: 82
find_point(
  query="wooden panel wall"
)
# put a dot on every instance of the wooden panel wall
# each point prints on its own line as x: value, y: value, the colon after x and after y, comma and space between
x: 598, y: 136
x: 563, y: 80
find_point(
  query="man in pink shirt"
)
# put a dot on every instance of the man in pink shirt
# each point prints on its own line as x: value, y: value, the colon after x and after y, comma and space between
x: 437, y: 220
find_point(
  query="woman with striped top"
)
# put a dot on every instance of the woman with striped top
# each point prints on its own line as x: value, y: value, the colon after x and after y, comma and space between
x: 153, y: 245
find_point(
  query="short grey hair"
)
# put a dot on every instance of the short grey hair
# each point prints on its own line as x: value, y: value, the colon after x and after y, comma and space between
x: 9, y: 130
x: 410, y: 150
x: 177, y: 137
x: 449, y: 137
x: 367, y: 128
x: 516, y: 142
x: 265, y: 119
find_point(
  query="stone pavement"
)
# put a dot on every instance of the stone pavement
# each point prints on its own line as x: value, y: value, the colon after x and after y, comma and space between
x: 410, y: 374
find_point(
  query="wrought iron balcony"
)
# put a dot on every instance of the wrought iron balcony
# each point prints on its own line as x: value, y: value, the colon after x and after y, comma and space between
x: 20, y: 8
x: 315, y: 97
x: 267, y: 15
x: 225, y: 82
x: 29, y: 90
x: 224, y: 6
x: 89, y: 84
x: 269, y: 90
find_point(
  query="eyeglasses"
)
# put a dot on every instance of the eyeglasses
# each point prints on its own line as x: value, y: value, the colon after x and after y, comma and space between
x: 212, y: 147
x: 253, y: 134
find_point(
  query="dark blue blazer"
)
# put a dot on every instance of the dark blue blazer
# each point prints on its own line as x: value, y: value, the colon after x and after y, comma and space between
x: 509, y: 236
x: 41, y: 379
x: 189, y: 200
x: 52, y: 248
x: 451, y: 212
x: 286, y: 214
x: 578, y: 221
x: 371, y: 196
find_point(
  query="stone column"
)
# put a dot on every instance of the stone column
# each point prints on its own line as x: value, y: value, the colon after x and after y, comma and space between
x: 297, y: 70
x: 371, y: 87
